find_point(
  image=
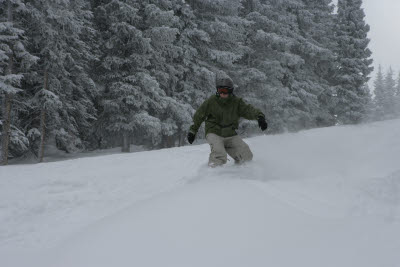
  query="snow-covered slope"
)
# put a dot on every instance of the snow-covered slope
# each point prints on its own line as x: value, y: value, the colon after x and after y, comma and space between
x: 323, y: 197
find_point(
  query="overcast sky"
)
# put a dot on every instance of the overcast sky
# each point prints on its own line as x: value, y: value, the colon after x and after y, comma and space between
x: 383, y: 16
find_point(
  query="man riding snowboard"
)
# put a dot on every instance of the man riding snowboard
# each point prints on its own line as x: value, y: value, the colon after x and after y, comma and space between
x: 221, y: 112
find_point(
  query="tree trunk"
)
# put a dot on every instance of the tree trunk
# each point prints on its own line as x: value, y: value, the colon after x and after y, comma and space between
x: 6, y: 127
x: 179, y: 137
x: 7, y: 99
x: 43, y: 134
x: 171, y: 141
x: 43, y: 122
x: 182, y: 139
x: 125, y: 142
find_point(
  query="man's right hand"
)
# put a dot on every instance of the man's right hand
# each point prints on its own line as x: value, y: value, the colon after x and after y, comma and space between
x: 262, y: 123
x: 190, y: 137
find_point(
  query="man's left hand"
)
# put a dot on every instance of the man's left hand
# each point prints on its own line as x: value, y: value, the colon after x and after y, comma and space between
x: 191, y: 137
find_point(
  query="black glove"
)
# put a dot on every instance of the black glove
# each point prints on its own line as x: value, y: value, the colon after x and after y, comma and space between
x: 190, y: 137
x: 262, y: 123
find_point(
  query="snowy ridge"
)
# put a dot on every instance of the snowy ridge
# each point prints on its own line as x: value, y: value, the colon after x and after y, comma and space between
x: 323, y: 197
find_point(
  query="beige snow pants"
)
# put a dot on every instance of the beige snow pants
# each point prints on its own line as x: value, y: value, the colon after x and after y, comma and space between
x: 221, y: 146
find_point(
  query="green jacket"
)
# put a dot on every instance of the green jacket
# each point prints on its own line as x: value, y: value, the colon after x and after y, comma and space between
x: 222, y: 115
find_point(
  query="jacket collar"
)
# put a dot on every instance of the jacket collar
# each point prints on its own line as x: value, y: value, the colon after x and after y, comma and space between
x: 224, y: 101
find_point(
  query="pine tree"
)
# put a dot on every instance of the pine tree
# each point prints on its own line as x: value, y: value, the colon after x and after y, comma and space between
x: 398, y: 86
x: 226, y: 30
x: 316, y: 22
x: 223, y: 45
x: 290, y: 61
x: 124, y: 55
x: 380, y: 94
x: 195, y: 80
x: 63, y: 91
x: 171, y: 58
x: 199, y: 80
x: 14, y: 60
x: 390, y: 93
x: 133, y: 98
x: 397, y: 96
x: 353, y: 58
x: 81, y: 91
x: 265, y: 79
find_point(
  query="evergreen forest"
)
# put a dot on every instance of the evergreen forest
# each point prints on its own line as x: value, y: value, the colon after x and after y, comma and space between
x: 83, y: 75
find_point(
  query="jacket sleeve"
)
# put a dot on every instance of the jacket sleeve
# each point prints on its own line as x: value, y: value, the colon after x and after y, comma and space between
x: 249, y: 112
x: 199, y: 117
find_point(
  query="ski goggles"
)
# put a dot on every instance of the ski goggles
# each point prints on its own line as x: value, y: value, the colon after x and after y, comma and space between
x: 224, y: 90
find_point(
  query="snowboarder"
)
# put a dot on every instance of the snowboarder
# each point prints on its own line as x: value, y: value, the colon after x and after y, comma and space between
x: 221, y: 112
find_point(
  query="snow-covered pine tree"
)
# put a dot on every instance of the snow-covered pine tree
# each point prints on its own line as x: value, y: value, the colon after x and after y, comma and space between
x: 196, y: 80
x: 397, y: 97
x: 14, y: 61
x: 262, y: 78
x: 316, y: 24
x: 289, y: 61
x: 171, y: 58
x: 354, y: 63
x: 224, y: 44
x: 398, y: 85
x: 226, y: 30
x: 80, y: 90
x: 133, y: 101
x: 380, y: 100
x: 369, y: 105
x: 57, y: 31
x: 300, y: 102
x: 124, y: 53
x: 390, y: 93
x: 49, y: 105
